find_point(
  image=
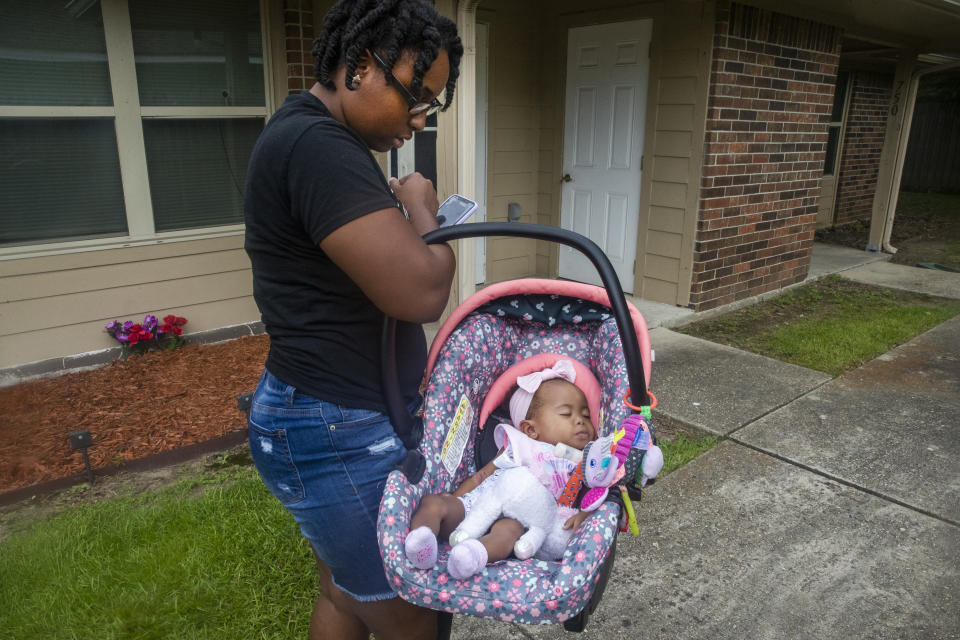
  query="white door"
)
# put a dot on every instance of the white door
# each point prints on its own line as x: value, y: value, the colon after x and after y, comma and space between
x: 607, y: 70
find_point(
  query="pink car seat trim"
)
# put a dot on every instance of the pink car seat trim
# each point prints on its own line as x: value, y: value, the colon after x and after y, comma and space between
x: 538, y: 285
x: 586, y: 381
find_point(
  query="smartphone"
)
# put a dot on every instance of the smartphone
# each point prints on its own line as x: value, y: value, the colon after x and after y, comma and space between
x: 455, y: 210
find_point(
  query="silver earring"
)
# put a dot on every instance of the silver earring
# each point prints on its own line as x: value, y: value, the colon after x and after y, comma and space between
x: 355, y: 81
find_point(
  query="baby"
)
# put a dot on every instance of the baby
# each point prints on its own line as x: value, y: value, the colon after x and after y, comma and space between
x: 547, y: 409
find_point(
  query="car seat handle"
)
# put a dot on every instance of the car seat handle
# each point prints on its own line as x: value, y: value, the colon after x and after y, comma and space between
x: 410, y: 428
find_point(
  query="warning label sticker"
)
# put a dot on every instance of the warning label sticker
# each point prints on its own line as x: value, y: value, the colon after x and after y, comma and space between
x: 457, y: 436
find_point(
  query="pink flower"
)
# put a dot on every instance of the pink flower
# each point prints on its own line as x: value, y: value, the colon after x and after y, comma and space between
x: 390, y: 519
x: 517, y: 582
x: 443, y: 578
x: 493, y: 586
x: 498, y: 603
x: 579, y: 557
x: 551, y: 604
x: 444, y: 596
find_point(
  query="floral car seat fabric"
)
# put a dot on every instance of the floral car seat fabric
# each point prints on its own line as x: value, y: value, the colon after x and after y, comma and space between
x: 483, y: 346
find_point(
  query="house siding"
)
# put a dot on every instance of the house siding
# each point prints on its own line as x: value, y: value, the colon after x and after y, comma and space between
x: 771, y: 94
x: 673, y: 152
x: 862, y: 145
x: 57, y: 306
x: 515, y: 145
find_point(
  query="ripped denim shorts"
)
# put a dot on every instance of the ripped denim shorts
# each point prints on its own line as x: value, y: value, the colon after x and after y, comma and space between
x: 328, y: 465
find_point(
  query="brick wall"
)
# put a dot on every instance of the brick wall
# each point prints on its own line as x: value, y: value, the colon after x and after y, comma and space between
x: 298, y: 30
x: 771, y: 93
x: 862, y: 144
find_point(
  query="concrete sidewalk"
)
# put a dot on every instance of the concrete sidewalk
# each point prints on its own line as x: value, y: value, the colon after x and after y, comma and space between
x: 830, y: 510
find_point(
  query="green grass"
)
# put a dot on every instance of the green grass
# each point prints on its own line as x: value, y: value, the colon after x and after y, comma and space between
x: 214, y: 556
x: 937, y: 217
x: 833, y: 325
x: 852, y: 336
x: 681, y: 450
x: 939, y: 205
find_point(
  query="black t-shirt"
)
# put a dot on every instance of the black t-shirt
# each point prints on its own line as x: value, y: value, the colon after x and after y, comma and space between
x: 308, y: 176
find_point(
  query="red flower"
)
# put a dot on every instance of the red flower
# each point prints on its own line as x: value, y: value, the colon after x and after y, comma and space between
x: 180, y: 320
x: 137, y: 328
x: 177, y: 330
x: 167, y: 327
x: 134, y: 337
x: 146, y: 335
x: 170, y: 319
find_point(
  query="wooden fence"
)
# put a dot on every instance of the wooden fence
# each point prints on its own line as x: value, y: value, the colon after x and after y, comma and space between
x: 933, y: 152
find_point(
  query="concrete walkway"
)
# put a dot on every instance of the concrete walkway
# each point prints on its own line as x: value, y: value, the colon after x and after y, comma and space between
x: 831, y: 509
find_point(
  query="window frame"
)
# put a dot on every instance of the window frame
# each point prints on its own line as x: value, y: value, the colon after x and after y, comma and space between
x: 840, y: 126
x: 402, y: 161
x: 128, y: 116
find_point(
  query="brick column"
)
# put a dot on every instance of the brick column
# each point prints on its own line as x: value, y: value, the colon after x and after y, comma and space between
x: 298, y: 30
x: 862, y: 145
x: 771, y: 93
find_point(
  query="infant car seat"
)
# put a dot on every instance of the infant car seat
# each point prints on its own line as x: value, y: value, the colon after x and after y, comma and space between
x: 494, y: 330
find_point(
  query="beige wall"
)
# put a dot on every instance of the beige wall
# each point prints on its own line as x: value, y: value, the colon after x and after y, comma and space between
x: 673, y: 151
x: 528, y: 56
x: 514, y: 130
x: 58, y: 305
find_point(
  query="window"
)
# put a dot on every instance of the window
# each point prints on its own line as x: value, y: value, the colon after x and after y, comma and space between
x: 836, y: 124
x: 126, y: 119
x: 420, y: 154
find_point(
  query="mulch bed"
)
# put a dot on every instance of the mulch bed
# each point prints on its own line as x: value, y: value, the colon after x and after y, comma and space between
x: 144, y: 405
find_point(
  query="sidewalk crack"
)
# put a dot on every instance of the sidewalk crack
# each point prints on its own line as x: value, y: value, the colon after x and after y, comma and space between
x: 847, y: 483
x: 778, y: 407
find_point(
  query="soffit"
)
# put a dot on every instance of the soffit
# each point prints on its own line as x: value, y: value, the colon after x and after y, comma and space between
x: 931, y: 27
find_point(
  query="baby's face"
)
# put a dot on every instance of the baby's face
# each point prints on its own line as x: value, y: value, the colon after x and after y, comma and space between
x: 563, y: 416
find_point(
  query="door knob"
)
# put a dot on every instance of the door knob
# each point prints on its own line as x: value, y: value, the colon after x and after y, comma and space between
x: 566, y: 178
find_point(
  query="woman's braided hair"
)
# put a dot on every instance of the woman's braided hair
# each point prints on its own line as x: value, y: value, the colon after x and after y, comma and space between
x: 390, y: 27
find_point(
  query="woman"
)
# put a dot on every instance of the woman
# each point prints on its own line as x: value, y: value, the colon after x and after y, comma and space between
x: 334, y: 247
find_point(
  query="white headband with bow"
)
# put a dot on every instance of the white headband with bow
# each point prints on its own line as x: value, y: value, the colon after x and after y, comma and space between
x: 528, y: 385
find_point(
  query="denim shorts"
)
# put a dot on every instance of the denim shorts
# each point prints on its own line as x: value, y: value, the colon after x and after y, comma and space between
x: 328, y: 465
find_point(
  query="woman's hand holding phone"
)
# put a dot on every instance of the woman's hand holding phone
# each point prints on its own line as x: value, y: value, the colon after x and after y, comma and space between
x: 419, y: 199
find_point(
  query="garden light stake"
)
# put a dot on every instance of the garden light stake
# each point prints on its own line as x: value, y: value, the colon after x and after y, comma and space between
x: 81, y: 440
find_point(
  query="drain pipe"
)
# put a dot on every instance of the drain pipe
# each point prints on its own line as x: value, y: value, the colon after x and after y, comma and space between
x: 902, y: 148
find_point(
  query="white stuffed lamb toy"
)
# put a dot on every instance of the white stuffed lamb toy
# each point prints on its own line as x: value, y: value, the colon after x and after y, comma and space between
x: 515, y: 492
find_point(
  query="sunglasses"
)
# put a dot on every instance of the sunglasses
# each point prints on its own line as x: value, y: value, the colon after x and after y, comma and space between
x: 416, y: 107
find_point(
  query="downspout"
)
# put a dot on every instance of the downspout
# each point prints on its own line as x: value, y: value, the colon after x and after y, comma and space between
x: 902, y: 148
